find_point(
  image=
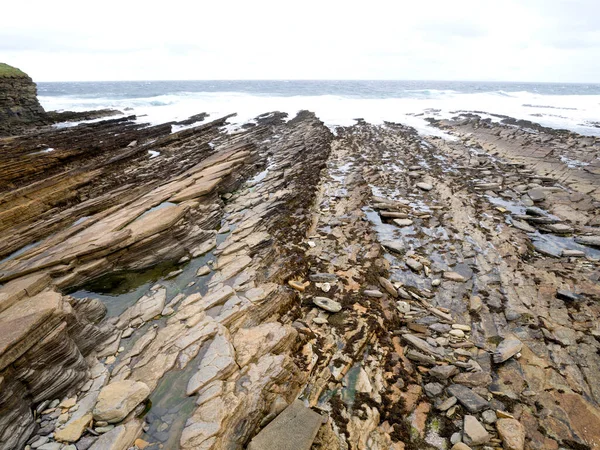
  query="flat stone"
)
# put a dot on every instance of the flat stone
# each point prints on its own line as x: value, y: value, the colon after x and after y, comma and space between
x: 454, y: 276
x: 120, y: 437
x: 73, y: 429
x: 469, y: 399
x: 202, y: 271
x: 373, y: 293
x: 568, y: 296
x: 457, y: 333
x: 507, y: 349
x: 116, y: 400
x: 460, y: 446
x: 489, y: 416
x: 403, y: 222
x: 403, y: 307
x: 297, y: 285
x: 447, y: 404
x: 323, y: 277
x: 512, y: 433
x: 474, y: 433
x: 475, y: 304
x: 523, y: 226
x: 537, y: 195
x: 424, y: 186
x: 327, y: 304
x: 592, y: 241
x: 433, y: 389
x: 394, y: 246
x: 443, y: 372
x: 388, y: 286
x: 294, y: 429
x: 414, y: 265
x: 473, y: 379
x: 572, y: 253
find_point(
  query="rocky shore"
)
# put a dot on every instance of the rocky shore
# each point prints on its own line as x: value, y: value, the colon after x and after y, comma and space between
x: 285, y: 286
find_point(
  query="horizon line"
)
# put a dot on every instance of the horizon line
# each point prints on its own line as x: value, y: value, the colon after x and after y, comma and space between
x: 323, y: 80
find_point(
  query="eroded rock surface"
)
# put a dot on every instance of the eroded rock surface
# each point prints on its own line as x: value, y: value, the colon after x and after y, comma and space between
x: 287, y: 286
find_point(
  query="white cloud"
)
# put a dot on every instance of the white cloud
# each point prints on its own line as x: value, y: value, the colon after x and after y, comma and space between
x: 527, y: 40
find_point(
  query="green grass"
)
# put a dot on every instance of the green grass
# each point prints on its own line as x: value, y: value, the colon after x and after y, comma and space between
x: 9, y: 71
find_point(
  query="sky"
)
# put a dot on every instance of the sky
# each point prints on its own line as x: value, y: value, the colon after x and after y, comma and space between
x: 508, y: 40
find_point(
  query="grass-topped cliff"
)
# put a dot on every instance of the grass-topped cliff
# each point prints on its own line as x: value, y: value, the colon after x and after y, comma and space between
x: 10, y: 71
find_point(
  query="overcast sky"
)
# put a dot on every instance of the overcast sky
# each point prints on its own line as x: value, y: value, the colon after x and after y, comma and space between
x: 507, y: 40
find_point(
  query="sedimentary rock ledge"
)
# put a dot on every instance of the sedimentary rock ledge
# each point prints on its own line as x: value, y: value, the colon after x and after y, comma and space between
x: 288, y: 287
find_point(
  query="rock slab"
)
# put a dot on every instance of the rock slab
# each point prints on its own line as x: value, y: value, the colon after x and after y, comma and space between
x: 294, y: 429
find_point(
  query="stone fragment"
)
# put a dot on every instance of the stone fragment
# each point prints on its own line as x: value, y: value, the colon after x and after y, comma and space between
x: 568, y: 296
x: 475, y: 304
x: 403, y: 222
x: 460, y: 446
x: 73, y: 429
x: 473, y: 379
x: 120, y: 437
x: 424, y: 186
x: 447, y: 404
x: 512, y: 433
x: 474, y: 433
x: 202, y: 271
x: 327, y: 304
x: 373, y: 293
x: 294, y: 429
x: 506, y: 349
x: 297, y: 285
x: 454, y: 276
x: 537, y: 195
x: 469, y: 399
x: 489, y: 416
x: 414, y: 265
x: 591, y: 241
x: 443, y: 372
x: 323, y: 277
x: 388, y: 286
x: 116, y: 400
x: 394, y: 246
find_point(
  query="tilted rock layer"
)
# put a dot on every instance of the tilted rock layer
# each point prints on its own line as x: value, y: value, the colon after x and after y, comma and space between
x: 287, y: 287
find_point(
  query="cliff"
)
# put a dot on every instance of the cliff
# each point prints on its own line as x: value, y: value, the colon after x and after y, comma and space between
x: 18, y: 100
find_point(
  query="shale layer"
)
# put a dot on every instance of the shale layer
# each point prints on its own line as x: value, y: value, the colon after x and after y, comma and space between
x: 285, y: 286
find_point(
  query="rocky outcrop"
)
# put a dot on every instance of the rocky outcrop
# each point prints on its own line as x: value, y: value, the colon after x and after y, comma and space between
x: 285, y: 287
x: 19, y: 105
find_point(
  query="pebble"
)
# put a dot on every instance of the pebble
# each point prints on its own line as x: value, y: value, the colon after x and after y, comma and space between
x: 436, y: 282
x: 457, y: 333
x: 327, y: 304
x: 296, y: 285
x: 424, y: 186
x: 127, y: 333
x: 447, y: 404
x: 403, y: 222
x: 320, y: 320
x: 489, y: 416
x: 373, y: 293
x: 110, y: 360
x: 475, y: 304
x: 403, y: 307
x: 458, y: 326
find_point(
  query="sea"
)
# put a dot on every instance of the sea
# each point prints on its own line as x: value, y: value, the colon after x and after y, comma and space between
x: 337, y: 103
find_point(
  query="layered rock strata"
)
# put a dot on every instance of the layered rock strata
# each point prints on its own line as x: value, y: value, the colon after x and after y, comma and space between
x: 286, y: 287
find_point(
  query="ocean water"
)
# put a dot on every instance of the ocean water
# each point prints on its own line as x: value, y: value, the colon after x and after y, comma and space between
x: 571, y: 106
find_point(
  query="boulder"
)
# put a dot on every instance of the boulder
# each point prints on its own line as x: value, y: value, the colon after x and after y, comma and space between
x: 118, y: 399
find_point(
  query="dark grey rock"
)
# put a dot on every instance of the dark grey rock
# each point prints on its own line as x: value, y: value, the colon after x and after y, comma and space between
x: 469, y: 399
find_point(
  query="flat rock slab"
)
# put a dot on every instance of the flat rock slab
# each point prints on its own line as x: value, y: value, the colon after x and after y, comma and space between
x: 470, y: 400
x: 327, y: 304
x: 294, y: 429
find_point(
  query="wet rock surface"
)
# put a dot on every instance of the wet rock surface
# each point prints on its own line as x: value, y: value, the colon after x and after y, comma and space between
x: 288, y: 287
